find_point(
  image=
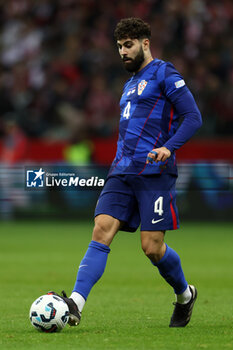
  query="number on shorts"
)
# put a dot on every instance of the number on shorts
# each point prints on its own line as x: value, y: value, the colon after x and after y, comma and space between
x: 158, y: 206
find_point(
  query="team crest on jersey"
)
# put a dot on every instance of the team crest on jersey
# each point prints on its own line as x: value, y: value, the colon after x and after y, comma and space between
x: 141, y: 86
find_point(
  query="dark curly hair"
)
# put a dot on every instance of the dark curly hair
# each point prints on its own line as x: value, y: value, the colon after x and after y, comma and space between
x: 133, y: 28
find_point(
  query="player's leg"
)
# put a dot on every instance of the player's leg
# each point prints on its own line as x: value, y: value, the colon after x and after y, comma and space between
x: 167, y: 261
x: 158, y: 214
x: 93, y: 263
x: 115, y: 210
x: 169, y: 265
x: 158, y: 211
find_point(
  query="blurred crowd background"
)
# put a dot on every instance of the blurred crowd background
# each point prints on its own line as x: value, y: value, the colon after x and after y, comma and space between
x: 61, y: 76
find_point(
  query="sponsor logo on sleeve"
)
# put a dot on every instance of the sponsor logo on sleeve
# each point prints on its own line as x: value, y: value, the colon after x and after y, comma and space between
x: 179, y: 83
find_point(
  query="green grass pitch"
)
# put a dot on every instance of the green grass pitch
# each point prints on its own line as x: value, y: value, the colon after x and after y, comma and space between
x: 131, y: 305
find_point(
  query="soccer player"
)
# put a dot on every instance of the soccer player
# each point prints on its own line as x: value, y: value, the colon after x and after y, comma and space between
x: 140, y: 187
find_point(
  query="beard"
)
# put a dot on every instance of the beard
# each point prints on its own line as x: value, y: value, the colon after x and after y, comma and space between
x: 133, y: 65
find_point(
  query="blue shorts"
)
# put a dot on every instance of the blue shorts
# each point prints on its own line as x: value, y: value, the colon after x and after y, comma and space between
x: 132, y: 199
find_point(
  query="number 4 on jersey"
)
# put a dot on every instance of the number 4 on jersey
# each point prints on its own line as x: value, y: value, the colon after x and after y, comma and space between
x: 158, y: 206
x: 126, y: 113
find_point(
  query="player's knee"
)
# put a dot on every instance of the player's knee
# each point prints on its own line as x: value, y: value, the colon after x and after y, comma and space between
x: 100, y: 232
x: 104, y: 231
x: 153, y: 254
x: 153, y: 249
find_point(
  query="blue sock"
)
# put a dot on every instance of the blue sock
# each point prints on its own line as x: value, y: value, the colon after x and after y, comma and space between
x: 91, y: 268
x: 170, y: 269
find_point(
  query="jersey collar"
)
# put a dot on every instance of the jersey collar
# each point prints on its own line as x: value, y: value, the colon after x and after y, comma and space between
x: 136, y: 75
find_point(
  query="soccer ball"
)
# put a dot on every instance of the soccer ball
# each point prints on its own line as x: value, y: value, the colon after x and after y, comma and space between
x: 49, y: 313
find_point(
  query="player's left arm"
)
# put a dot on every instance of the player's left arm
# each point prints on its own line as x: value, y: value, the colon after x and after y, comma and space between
x: 183, y: 101
x: 185, y: 105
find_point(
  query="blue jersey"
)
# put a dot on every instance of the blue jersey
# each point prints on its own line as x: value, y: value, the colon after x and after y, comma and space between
x: 152, y: 103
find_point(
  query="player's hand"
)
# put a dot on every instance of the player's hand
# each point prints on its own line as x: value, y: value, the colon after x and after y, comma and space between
x: 158, y: 155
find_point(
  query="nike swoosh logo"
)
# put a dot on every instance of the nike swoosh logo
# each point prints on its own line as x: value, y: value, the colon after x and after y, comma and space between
x: 82, y: 265
x: 156, y: 221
